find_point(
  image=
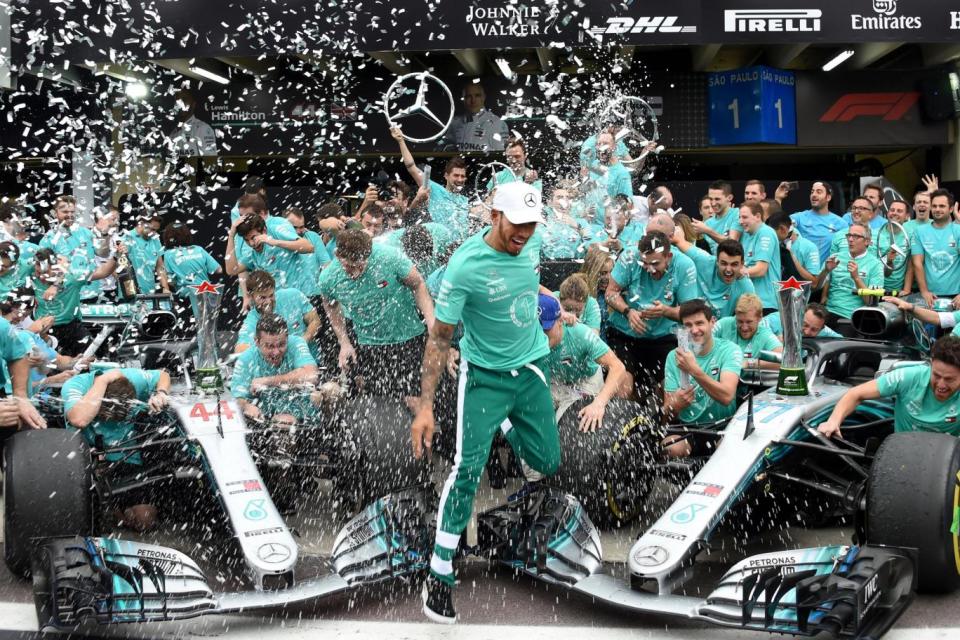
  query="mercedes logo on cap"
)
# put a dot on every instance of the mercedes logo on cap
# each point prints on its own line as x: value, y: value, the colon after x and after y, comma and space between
x: 273, y: 553
x: 530, y: 200
x: 650, y: 556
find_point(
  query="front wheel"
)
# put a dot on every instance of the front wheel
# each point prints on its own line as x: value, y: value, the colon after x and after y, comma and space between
x: 913, y: 500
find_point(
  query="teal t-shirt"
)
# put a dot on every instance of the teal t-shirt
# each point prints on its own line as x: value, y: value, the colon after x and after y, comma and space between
x: 722, y: 297
x: 560, y: 240
x: 144, y: 382
x: 730, y: 221
x: 724, y: 356
x: 588, y: 151
x: 504, y: 176
x: 762, y: 340
x: 640, y: 291
x: 251, y: 365
x: 30, y: 342
x: 381, y: 307
x: 818, y: 228
x: 289, y: 304
x: 65, y: 306
x: 842, y: 298
x: 916, y: 408
x: 449, y: 209
x: 143, y: 255
x: 616, y: 180
x: 775, y: 325
x: 631, y: 234
x: 495, y: 295
x: 188, y: 266
x: 911, y: 226
x: 808, y: 255
x: 591, y: 312
x: 940, y: 248
x: 287, y: 267
x: 442, y: 239
x: 16, y: 277
x: 575, y: 358
x: 77, y: 244
x: 763, y: 246
x: 12, y: 348
x: 320, y: 255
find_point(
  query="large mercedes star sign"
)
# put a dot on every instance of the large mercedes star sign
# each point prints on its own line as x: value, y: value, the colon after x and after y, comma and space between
x: 419, y: 107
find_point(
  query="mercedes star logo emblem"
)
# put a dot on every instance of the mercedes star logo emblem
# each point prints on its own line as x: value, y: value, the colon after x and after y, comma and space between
x: 419, y: 106
x: 530, y: 200
x: 650, y: 556
x: 273, y: 553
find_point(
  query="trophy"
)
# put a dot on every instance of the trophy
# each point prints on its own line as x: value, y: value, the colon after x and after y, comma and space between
x: 793, y: 303
x: 205, y: 300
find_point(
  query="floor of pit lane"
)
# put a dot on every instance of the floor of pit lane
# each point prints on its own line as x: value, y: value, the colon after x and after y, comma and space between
x: 487, y: 593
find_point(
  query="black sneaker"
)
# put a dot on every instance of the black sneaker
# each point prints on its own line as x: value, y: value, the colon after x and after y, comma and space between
x: 438, y: 601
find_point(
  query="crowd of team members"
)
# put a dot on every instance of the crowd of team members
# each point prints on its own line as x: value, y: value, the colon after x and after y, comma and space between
x: 356, y: 293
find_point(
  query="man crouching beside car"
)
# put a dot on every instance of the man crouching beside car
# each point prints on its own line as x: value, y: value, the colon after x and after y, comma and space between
x: 102, y: 406
x: 926, y: 396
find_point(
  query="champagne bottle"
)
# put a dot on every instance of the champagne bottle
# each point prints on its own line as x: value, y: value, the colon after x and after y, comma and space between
x: 126, y: 278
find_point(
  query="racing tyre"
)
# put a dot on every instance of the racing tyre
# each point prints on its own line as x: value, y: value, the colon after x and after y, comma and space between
x: 47, y: 492
x: 378, y: 457
x: 608, y: 471
x: 913, y: 500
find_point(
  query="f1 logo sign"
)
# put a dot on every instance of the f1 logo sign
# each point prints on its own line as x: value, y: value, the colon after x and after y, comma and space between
x: 889, y: 106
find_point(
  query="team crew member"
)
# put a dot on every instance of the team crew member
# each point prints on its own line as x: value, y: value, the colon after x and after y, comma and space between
x: 721, y: 278
x: 576, y: 357
x: 713, y: 365
x: 291, y: 305
x: 818, y: 224
x: 900, y: 277
x: 611, y: 177
x: 380, y: 290
x: 761, y: 248
x: 279, y: 359
x: 316, y: 260
x: 725, y: 223
x: 69, y: 238
x: 516, y: 158
x: 814, y: 323
x: 13, y: 269
x: 645, y: 290
x: 578, y: 304
x: 747, y: 331
x: 925, y: 396
x: 799, y: 257
x: 278, y: 251
x: 58, y: 287
x: 143, y: 248
x: 921, y: 212
x: 16, y: 411
x: 490, y: 285
x: 103, y: 406
x: 597, y: 266
x: 447, y: 205
x: 183, y: 265
x: 936, y: 259
x: 862, y: 270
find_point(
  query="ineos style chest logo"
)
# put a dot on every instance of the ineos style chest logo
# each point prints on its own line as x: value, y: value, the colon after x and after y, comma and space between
x: 273, y: 553
x: 530, y: 200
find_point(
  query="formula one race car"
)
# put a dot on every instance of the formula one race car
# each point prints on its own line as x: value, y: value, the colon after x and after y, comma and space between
x: 900, y: 489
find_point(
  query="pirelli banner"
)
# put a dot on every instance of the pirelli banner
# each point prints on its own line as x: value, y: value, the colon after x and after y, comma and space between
x: 187, y: 28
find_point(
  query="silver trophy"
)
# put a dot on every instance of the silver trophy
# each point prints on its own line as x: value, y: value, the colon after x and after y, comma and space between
x: 205, y: 300
x: 793, y: 296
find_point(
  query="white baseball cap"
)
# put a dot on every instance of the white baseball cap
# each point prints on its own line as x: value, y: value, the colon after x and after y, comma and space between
x: 519, y: 201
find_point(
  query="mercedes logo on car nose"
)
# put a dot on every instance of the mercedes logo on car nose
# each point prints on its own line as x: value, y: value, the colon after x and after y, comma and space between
x: 650, y: 556
x: 273, y: 553
x: 530, y: 200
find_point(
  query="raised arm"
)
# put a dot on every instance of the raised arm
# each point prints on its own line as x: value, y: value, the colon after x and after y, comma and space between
x: 407, y: 157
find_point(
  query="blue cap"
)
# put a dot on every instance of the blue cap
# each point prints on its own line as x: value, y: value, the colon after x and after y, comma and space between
x: 549, y: 311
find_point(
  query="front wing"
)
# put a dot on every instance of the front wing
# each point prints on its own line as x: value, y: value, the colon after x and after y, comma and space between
x: 851, y: 591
